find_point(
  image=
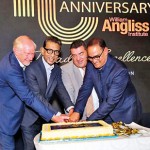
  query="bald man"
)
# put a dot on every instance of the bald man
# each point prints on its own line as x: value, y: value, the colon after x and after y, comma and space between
x: 15, y: 93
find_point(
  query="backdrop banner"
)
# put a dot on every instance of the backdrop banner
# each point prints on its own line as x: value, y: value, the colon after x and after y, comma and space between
x: 124, y: 25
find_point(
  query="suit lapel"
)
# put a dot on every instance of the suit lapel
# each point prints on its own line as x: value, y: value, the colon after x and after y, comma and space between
x: 42, y: 75
x: 51, y: 80
x: 105, y: 72
x: 14, y: 61
x: 107, y: 69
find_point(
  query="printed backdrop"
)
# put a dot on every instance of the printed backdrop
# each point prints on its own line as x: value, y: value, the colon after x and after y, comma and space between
x: 124, y: 25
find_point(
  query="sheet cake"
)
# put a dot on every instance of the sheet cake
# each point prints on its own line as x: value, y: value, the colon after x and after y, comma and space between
x: 58, y: 131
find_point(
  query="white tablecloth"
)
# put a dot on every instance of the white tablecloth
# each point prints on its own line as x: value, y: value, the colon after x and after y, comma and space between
x: 134, y: 142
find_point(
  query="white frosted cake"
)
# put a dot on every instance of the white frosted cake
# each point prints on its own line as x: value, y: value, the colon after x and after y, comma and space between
x: 70, y: 130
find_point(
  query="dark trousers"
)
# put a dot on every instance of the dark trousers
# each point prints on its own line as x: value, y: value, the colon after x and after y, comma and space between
x: 7, y: 142
x: 18, y: 141
x: 28, y: 134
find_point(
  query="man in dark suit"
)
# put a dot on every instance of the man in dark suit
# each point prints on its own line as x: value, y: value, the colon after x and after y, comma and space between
x: 14, y: 92
x: 43, y: 77
x: 118, y: 100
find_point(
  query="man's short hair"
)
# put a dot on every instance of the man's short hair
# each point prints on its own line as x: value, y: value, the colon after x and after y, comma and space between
x: 52, y: 39
x: 95, y: 41
x: 78, y: 43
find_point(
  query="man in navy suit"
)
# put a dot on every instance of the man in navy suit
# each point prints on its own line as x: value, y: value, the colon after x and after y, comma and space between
x: 118, y: 100
x: 43, y: 77
x: 14, y: 93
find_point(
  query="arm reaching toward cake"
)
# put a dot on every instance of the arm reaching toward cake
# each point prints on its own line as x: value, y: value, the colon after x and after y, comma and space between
x: 61, y: 118
x: 74, y: 117
x: 71, y: 111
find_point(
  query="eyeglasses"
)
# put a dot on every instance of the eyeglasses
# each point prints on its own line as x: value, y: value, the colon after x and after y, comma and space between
x: 50, y: 51
x: 97, y: 57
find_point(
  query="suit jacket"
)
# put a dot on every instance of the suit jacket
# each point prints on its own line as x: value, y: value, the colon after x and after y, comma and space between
x: 72, y: 79
x: 36, y: 79
x: 117, y: 95
x: 14, y: 93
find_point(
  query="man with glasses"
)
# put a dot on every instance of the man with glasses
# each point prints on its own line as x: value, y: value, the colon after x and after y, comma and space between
x: 43, y: 77
x: 118, y: 100
x: 73, y: 74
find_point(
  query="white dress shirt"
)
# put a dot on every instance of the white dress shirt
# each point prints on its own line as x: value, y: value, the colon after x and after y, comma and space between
x: 48, y: 69
x: 21, y: 64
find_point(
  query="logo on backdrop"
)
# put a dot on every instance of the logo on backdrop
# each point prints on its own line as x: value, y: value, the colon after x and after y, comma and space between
x: 126, y: 26
x: 47, y: 18
x: 86, y: 26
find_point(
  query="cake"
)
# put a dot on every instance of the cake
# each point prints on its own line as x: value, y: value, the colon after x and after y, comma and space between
x: 72, y: 130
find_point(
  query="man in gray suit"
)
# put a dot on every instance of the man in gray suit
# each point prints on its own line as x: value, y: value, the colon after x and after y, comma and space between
x: 73, y: 73
x: 43, y: 77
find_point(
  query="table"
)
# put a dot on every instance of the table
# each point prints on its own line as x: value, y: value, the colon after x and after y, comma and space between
x: 133, y: 142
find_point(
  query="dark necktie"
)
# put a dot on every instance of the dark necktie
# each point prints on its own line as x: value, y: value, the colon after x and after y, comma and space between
x: 100, y: 83
x: 49, y: 70
x: 24, y: 73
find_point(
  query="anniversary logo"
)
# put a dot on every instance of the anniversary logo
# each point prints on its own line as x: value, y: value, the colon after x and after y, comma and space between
x: 86, y: 27
x: 47, y: 19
